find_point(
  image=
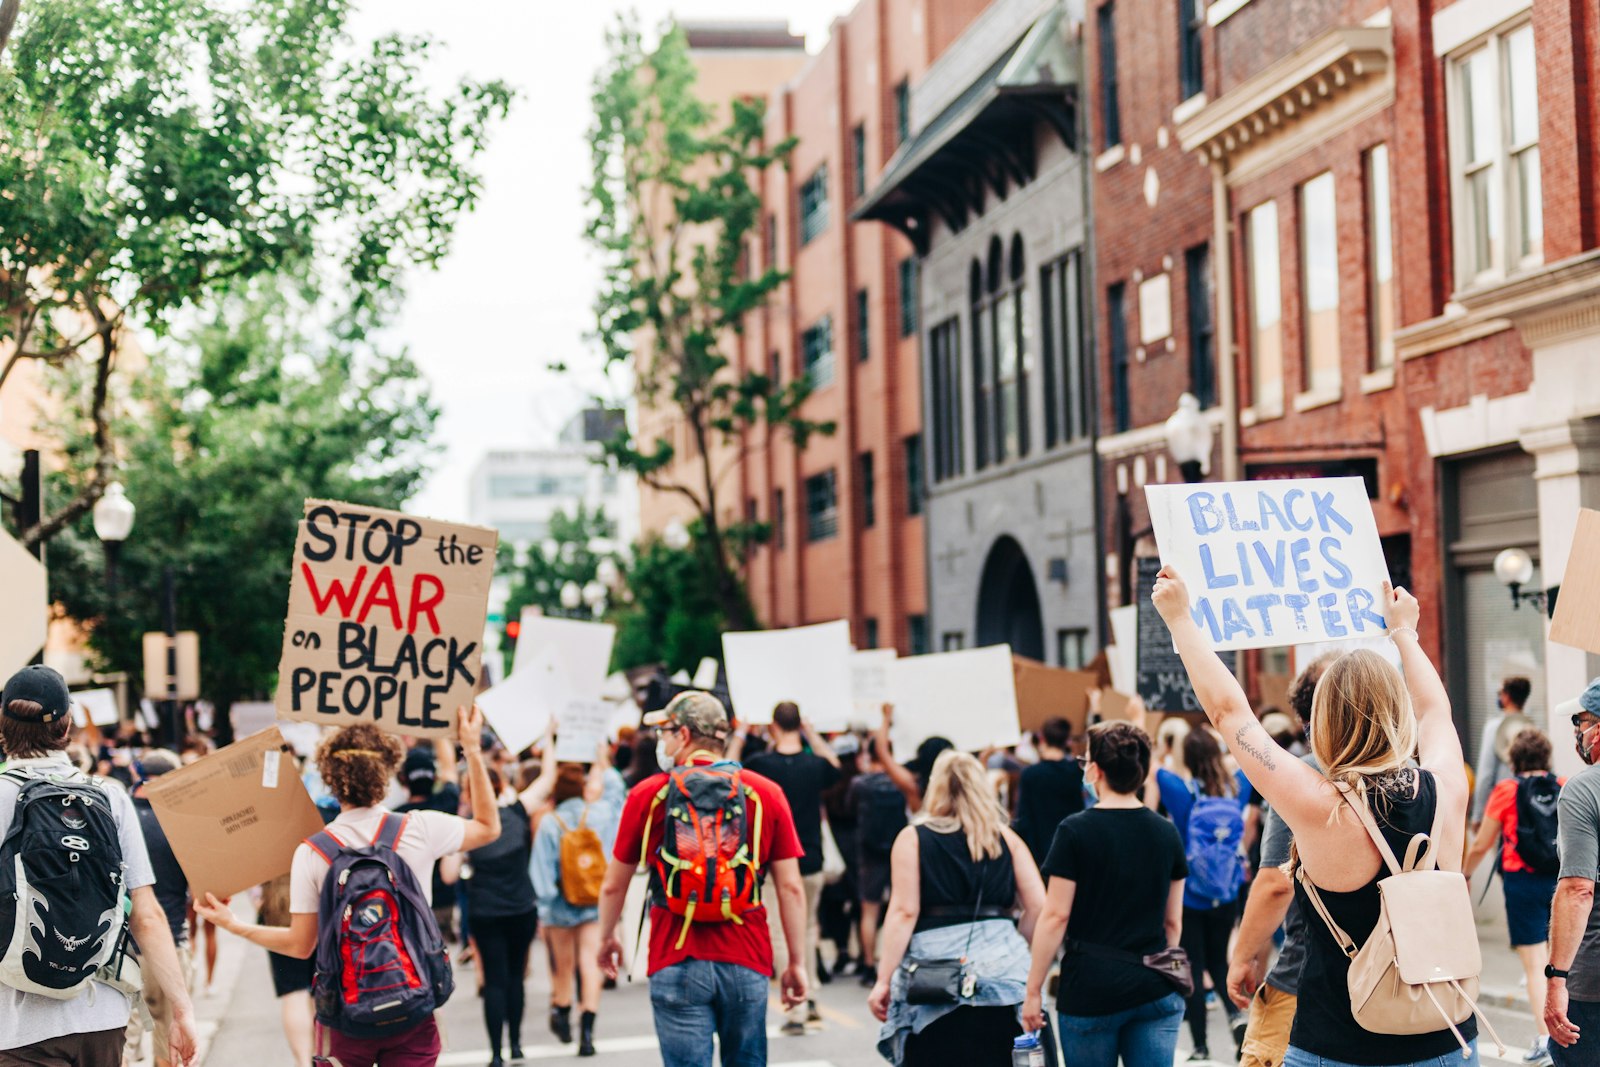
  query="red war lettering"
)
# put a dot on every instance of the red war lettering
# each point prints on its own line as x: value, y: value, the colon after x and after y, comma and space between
x: 382, y: 584
x: 336, y: 591
x: 425, y: 606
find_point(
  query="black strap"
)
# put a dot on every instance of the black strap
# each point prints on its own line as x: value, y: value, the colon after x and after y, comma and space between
x: 1105, y: 952
x: 959, y: 911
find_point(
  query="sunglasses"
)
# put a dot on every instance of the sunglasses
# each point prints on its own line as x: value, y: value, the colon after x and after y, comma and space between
x: 1081, y: 761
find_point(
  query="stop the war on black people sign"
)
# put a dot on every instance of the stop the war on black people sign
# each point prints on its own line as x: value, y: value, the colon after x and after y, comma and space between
x: 1274, y: 563
x: 386, y: 619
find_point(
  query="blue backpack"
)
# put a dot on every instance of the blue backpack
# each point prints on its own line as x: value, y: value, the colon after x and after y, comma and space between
x: 1216, y: 834
x: 381, y: 965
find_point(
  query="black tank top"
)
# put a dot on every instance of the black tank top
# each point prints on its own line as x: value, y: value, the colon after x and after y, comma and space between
x: 1323, y: 1025
x: 950, y: 880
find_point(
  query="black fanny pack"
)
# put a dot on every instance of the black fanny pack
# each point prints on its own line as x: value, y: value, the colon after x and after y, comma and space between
x: 948, y: 981
x: 1170, y: 963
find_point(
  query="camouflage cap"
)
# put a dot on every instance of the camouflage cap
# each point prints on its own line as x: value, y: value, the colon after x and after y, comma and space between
x: 702, y: 713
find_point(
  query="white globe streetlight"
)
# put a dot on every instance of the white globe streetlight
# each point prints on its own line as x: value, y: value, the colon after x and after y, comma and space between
x: 676, y: 535
x: 113, y: 522
x: 1189, y: 439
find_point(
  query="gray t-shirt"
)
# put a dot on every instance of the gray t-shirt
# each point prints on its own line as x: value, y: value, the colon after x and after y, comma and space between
x: 1276, y: 840
x: 1579, y: 812
x: 28, y: 1018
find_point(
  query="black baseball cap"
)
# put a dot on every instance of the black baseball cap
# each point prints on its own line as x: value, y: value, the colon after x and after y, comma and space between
x: 419, y: 766
x: 41, y: 685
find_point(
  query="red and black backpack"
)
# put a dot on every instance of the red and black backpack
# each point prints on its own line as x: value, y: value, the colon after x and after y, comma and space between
x: 707, y: 867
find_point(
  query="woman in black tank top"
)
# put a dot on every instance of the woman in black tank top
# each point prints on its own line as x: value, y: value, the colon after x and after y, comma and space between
x: 1367, y: 723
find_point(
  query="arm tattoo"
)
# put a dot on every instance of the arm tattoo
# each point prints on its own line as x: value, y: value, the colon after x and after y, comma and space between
x: 1261, y: 755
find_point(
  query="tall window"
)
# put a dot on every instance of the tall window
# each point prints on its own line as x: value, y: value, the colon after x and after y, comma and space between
x: 858, y: 160
x: 814, y: 204
x: 869, y: 490
x: 822, y: 506
x: 863, y: 327
x: 944, y: 377
x: 917, y: 630
x: 908, y: 296
x: 770, y: 238
x: 1191, y: 20
x: 1117, y: 344
x: 916, y: 488
x: 1319, y: 286
x: 1110, y: 107
x: 816, y: 350
x: 1380, y: 260
x: 1066, y: 414
x: 871, y: 634
x: 982, y: 360
x: 1266, y: 310
x: 780, y: 520
x: 902, y: 112
x: 1499, y: 214
x: 1202, y: 361
x: 775, y: 367
x: 1070, y: 646
x: 1001, y: 333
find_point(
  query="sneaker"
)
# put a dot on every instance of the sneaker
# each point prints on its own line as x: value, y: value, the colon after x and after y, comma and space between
x: 1239, y: 1025
x: 812, y: 1014
x: 1539, y: 1052
x: 869, y: 976
x: 792, y: 1029
x: 1200, y: 1055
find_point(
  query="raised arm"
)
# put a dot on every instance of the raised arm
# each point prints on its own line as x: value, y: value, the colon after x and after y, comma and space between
x: 818, y: 745
x: 903, y: 779
x: 485, y: 825
x: 1438, y: 745
x: 540, y: 789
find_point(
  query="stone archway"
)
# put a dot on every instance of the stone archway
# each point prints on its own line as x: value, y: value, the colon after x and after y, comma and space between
x: 1008, y: 602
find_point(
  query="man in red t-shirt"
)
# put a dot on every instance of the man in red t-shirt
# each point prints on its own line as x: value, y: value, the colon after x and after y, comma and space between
x: 708, y: 972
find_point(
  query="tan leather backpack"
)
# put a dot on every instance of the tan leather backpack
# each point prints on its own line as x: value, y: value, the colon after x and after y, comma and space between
x: 1418, y: 972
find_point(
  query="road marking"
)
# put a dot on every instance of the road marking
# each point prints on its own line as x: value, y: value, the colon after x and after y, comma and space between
x: 603, y: 1047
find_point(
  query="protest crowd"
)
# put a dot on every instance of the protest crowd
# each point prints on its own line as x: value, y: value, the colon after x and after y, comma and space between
x: 1077, y: 894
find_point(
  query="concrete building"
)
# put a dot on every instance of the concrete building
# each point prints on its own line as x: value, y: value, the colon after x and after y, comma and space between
x: 991, y: 192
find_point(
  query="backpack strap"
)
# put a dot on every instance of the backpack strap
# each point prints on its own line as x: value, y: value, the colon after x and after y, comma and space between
x: 390, y: 830
x: 565, y: 829
x: 325, y: 845
x: 1346, y: 945
x: 1370, y: 824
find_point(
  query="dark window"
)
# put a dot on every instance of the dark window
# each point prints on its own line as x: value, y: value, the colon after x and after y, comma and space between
x: 822, y: 506
x: 816, y: 349
x: 780, y: 520
x: 917, y: 625
x: 1000, y: 357
x: 1191, y: 20
x: 858, y: 160
x: 1117, y: 343
x: 871, y: 635
x: 814, y: 204
x: 1070, y: 647
x: 916, y: 489
x: 775, y: 368
x: 863, y: 326
x: 750, y: 515
x: 944, y: 376
x: 954, y: 641
x: 1202, y: 361
x: 981, y: 348
x: 908, y: 296
x: 1110, y: 108
x: 1061, y: 314
x: 772, y: 243
x: 869, y: 491
x: 902, y: 113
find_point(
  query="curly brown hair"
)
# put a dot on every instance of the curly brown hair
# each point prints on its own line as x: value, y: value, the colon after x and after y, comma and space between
x: 1530, y: 751
x: 358, y: 762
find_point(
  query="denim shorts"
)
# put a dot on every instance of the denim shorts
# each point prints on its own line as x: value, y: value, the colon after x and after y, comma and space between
x: 1528, y: 897
x: 1300, y: 1058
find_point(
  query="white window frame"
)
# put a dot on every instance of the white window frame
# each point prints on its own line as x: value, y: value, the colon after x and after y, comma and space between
x: 1328, y: 388
x: 1264, y: 406
x: 1505, y: 261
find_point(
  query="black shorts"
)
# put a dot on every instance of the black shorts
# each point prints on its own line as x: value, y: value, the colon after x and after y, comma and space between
x: 289, y: 975
x: 873, y: 880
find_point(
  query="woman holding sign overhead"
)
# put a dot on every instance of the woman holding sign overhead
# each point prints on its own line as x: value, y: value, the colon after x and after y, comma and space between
x: 1372, y: 805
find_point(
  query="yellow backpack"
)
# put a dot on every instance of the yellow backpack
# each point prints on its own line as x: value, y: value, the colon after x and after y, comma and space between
x: 583, y: 862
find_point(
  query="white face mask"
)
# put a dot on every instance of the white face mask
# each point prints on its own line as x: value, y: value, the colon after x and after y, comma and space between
x: 664, y: 759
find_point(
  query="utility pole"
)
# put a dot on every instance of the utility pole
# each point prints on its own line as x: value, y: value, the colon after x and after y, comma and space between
x: 169, y: 598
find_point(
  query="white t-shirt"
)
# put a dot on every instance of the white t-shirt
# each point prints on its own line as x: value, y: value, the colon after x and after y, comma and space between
x: 28, y: 1018
x: 429, y: 836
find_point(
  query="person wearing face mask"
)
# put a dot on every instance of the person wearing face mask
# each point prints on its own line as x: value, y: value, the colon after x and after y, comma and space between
x: 709, y: 832
x: 1572, y: 978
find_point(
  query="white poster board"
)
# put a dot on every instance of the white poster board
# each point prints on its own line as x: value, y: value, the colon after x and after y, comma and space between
x: 1274, y: 563
x: 869, y: 683
x: 98, y: 706
x: 809, y: 665
x: 1122, y: 654
x: 251, y: 717
x: 581, y: 727
x: 26, y: 621
x: 519, y: 707
x: 969, y: 697
x: 584, y: 648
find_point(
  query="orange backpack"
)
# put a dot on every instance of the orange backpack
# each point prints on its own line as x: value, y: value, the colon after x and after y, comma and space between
x: 706, y: 868
x: 583, y: 862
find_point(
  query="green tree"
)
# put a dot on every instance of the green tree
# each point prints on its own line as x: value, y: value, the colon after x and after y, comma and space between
x: 673, y: 209
x: 248, y: 416
x: 572, y: 553
x: 153, y: 153
x: 673, y: 617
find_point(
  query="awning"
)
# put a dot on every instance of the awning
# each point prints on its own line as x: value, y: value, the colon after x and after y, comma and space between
x: 984, y: 139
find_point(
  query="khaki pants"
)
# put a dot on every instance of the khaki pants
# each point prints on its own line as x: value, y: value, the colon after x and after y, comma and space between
x: 160, y: 1015
x: 780, y: 944
x: 1266, y: 1039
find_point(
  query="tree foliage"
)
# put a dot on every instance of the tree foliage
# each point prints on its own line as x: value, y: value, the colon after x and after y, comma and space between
x: 238, y: 423
x: 674, y: 207
x: 674, y: 617
x: 154, y: 152
x: 571, y: 553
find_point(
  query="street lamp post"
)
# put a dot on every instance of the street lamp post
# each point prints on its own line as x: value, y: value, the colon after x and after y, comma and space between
x: 1189, y: 438
x: 594, y: 595
x: 113, y: 522
x: 571, y: 597
x: 1514, y: 568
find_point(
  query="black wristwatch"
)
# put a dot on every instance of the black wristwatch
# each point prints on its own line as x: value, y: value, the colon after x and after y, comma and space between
x: 1551, y: 972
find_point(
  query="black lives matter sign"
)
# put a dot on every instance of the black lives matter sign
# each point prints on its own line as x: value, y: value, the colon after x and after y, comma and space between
x: 386, y: 619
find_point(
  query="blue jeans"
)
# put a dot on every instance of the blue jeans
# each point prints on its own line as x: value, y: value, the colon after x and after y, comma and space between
x: 1585, y: 1015
x: 1300, y: 1058
x: 1146, y: 1036
x: 695, y: 999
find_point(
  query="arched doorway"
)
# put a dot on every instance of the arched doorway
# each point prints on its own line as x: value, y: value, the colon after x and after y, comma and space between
x: 1008, y: 602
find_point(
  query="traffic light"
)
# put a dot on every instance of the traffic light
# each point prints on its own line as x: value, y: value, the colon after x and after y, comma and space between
x: 514, y: 629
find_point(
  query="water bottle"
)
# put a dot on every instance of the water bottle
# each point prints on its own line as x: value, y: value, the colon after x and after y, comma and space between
x: 1027, y: 1052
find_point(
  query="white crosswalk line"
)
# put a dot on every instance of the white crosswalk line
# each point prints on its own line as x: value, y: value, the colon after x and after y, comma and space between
x: 603, y: 1046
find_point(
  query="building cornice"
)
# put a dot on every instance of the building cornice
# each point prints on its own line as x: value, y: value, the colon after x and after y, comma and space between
x: 1547, y: 306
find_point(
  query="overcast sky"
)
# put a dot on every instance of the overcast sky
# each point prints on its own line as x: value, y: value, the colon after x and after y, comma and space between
x: 516, y: 292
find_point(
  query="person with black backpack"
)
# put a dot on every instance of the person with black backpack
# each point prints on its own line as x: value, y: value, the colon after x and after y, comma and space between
x: 1521, y: 817
x: 76, y: 883
x: 881, y: 813
x: 359, y: 899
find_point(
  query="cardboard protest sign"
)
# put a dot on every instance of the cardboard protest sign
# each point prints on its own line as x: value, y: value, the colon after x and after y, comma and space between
x: 1120, y: 707
x: 869, y: 682
x: 581, y: 727
x: 386, y: 618
x: 1274, y: 563
x: 969, y: 697
x: 235, y: 817
x: 1577, y: 622
x: 1045, y: 692
x: 25, y: 623
x: 809, y: 665
x: 1160, y: 678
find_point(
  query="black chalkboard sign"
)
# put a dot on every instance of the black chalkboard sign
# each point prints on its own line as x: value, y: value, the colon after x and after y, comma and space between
x: 1162, y: 682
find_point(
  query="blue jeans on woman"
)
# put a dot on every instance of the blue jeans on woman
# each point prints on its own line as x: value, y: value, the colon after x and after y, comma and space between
x: 1146, y: 1036
x: 696, y: 999
x: 1300, y: 1058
